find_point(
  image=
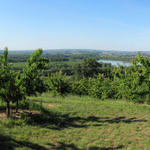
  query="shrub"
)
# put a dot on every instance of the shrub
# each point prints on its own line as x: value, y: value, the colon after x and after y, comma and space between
x: 100, y: 87
x: 80, y: 87
x: 58, y: 84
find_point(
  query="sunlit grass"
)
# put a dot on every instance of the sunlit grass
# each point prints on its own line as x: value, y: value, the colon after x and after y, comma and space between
x: 78, y: 123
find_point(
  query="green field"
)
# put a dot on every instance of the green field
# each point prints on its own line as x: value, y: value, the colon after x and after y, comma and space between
x: 77, y: 123
x: 71, y: 63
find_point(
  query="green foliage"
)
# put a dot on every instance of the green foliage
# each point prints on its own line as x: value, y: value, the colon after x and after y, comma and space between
x: 31, y: 74
x: 130, y: 83
x: 134, y: 83
x: 101, y: 87
x: 7, y: 85
x: 58, y: 84
x: 89, y: 68
x: 14, y: 86
x: 80, y: 87
x: 4, y: 58
x: 10, y: 84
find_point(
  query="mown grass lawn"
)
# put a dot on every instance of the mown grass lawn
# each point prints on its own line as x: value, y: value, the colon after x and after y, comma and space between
x: 78, y: 123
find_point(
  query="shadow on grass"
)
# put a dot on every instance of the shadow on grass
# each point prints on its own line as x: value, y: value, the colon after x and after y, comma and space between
x: 64, y: 146
x: 108, y: 148
x: 7, y: 143
x: 115, y: 120
x: 60, y: 121
x: 53, y: 120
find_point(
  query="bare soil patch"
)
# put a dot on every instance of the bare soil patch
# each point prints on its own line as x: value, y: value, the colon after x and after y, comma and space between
x: 3, y: 115
x: 52, y: 105
x: 18, y: 115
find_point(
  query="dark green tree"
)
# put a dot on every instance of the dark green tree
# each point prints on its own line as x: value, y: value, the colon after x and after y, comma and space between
x: 89, y: 68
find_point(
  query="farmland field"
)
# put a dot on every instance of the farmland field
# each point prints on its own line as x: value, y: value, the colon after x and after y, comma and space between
x: 77, y: 123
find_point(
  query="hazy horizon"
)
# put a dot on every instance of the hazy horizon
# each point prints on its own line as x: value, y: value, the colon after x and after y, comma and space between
x: 75, y: 24
x: 105, y: 50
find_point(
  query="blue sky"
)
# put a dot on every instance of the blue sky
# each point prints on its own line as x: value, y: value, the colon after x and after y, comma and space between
x: 80, y: 24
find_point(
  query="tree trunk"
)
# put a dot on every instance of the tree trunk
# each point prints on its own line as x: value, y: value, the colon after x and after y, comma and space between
x: 17, y: 106
x: 8, y: 110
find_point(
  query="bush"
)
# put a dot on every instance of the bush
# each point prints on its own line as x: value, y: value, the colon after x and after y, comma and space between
x: 134, y: 82
x: 58, y: 84
x: 80, y: 87
x: 131, y: 88
x: 100, y: 87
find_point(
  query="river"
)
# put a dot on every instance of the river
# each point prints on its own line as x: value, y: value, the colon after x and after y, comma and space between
x: 115, y: 62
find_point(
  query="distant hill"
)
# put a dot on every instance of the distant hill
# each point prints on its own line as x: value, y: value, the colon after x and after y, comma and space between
x: 82, y: 51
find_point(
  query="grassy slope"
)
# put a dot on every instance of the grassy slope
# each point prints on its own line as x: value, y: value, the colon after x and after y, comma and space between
x: 78, y: 123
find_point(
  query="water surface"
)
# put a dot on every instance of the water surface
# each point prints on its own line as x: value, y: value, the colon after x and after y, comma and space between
x: 115, y: 62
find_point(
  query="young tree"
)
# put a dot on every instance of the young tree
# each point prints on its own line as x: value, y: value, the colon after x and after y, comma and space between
x: 14, y: 86
x: 142, y: 67
x: 19, y: 89
x: 58, y: 84
x: 31, y: 74
x: 134, y: 81
x: 10, y: 90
